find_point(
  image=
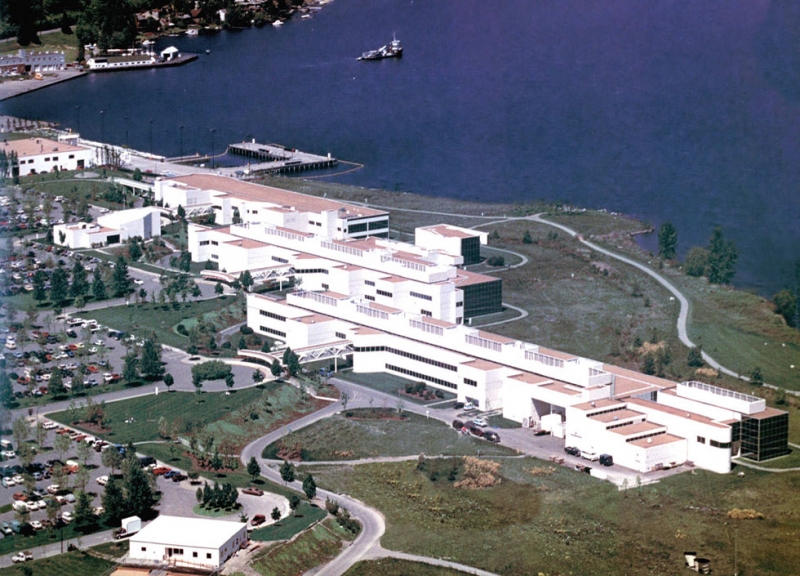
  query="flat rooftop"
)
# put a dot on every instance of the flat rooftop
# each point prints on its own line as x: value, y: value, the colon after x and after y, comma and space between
x: 655, y: 406
x: 190, y: 532
x: 277, y: 196
x: 623, y: 414
x: 637, y: 428
x: 38, y: 147
x: 657, y: 440
x: 447, y: 231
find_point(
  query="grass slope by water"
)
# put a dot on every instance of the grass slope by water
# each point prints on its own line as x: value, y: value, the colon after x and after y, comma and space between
x: 545, y: 518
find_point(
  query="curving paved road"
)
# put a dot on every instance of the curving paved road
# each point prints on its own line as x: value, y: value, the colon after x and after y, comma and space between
x: 367, y: 545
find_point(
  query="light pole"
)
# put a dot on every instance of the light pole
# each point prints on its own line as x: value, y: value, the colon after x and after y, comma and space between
x: 78, y: 117
x: 126, y: 132
x: 181, y: 129
x: 213, y: 131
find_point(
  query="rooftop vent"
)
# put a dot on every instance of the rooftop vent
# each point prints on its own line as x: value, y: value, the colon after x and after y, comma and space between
x: 649, y: 440
x: 593, y: 404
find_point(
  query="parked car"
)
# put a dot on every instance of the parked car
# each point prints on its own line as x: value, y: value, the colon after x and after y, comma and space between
x: 66, y: 517
x: 6, y: 529
x: 253, y: 491
x: 592, y: 456
x: 458, y: 424
x: 19, y: 496
x: 8, y: 482
x: 36, y: 525
x: 492, y: 437
x: 258, y: 520
x: 21, y: 557
x: 480, y: 422
x: 572, y: 451
x: 179, y: 477
x: 161, y: 470
x: 458, y: 405
x: 102, y: 480
x: 469, y: 406
x: 606, y: 459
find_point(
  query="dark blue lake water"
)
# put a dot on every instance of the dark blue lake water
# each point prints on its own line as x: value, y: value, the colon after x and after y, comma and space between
x: 679, y: 111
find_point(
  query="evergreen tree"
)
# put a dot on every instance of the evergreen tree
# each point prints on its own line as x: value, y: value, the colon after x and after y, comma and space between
x: 275, y: 514
x: 526, y: 238
x: 130, y: 369
x: 98, y: 286
x: 722, y: 257
x: 139, y: 494
x: 246, y: 280
x: 168, y: 380
x: 39, y: 291
x: 648, y: 364
x: 6, y: 391
x: 56, y: 384
x: 756, y: 377
x: 667, y: 241
x: 218, y: 289
x: 79, y: 286
x: 275, y: 368
x: 785, y: 303
x: 150, y: 363
x: 253, y: 468
x: 310, y: 486
x: 85, y: 519
x: 59, y: 286
x: 695, y: 358
x: 120, y: 281
x: 114, y: 500
x: 287, y: 472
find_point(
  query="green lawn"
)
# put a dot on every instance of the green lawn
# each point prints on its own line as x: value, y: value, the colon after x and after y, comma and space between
x: 19, y: 542
x: 288, y: 527
x: 147, y: 318
x: 311, y: 549
x: 117, y: 548
x: 72, y: 563
x: 241, y: 416
x: 390, y: 384
x: 397, y: 567
x: 363, y: 436
x: 550, y: 519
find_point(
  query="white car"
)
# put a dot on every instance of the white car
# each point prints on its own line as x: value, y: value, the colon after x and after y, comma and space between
x: 138, y: 281
x: 67, y: 517
x: 102, y: 480
x: 480, y: 422
x: 8, y: 454
x: 53, y: 488
x: 49, y: 425
x: 32, y: 506
x: 8, y: 482
x: 36, y: 525
x: 98, y: 342
x: 21, y: 557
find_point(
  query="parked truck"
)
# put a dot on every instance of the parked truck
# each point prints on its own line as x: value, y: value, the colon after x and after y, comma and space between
x: 129, y: 527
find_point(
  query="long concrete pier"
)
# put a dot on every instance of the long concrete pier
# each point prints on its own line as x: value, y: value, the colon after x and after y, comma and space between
x: 275, y: 158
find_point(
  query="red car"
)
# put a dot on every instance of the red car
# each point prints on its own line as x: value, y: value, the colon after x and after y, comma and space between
x: 253, y: 491
x: 20, y: 496
x: 258, y: 520
x: 160, y: 470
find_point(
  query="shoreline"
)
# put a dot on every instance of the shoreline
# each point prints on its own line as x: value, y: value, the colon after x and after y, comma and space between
x: 13, y: 88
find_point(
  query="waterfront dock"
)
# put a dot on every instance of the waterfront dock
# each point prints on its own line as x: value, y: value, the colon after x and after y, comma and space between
x: 277, y: 159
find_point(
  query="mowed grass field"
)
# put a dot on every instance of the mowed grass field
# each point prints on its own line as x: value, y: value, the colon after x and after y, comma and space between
x: 343, y: 438
x: 553, y: 520
x: 72, y: 563
x: 146, y: 319
x: 242, y: 416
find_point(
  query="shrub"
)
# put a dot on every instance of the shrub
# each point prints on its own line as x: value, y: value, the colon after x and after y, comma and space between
x: 181, y: 329
x: 496, y: 261
x: 246, y: 330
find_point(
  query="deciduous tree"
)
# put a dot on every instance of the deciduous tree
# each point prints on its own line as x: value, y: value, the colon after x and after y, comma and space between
x: 722, y: 257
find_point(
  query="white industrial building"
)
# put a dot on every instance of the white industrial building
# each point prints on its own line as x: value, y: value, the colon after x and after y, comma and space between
x: 40, y: 155
x: 188, y: 542
x: 227, y: 198
x: 111, y: 228
x: 401, y: 308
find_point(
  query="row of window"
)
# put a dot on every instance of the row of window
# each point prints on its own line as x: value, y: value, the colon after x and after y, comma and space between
x: 341, y: 335
x: 404, y: 354
x: 371, y: 312
x: 342, y: 248
x: 272, y: 331
x: 421, y: 376
x: 269, y: 314
x: 483, y: 343
x: 279, y: 259
x: 421, y: 296
x: 311, y: 270
x: 470, y: 382
x: 369, y: 282
x: 426, y: 327
x: 384, y: 293
x: 544, y: 359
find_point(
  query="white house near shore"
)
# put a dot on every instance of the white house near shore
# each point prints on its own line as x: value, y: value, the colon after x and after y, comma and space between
x: 40, y: 155
x: 111, y: 228
x: 188, y: 542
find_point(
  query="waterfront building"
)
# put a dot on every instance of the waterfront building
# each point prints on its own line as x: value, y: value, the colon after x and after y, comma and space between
x: 39, y: 155
x: 29, y: 62
x: 404, y: 309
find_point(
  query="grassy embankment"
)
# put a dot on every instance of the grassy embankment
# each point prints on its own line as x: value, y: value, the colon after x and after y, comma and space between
x: 397, y: 567
x: 145, y: 319
x: 73, y: 563
x: 365, y: 436
x: 545, y: 518
x: 315, y: 547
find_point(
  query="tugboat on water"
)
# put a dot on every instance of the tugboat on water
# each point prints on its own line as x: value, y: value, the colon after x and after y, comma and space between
x: 392, y: 50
